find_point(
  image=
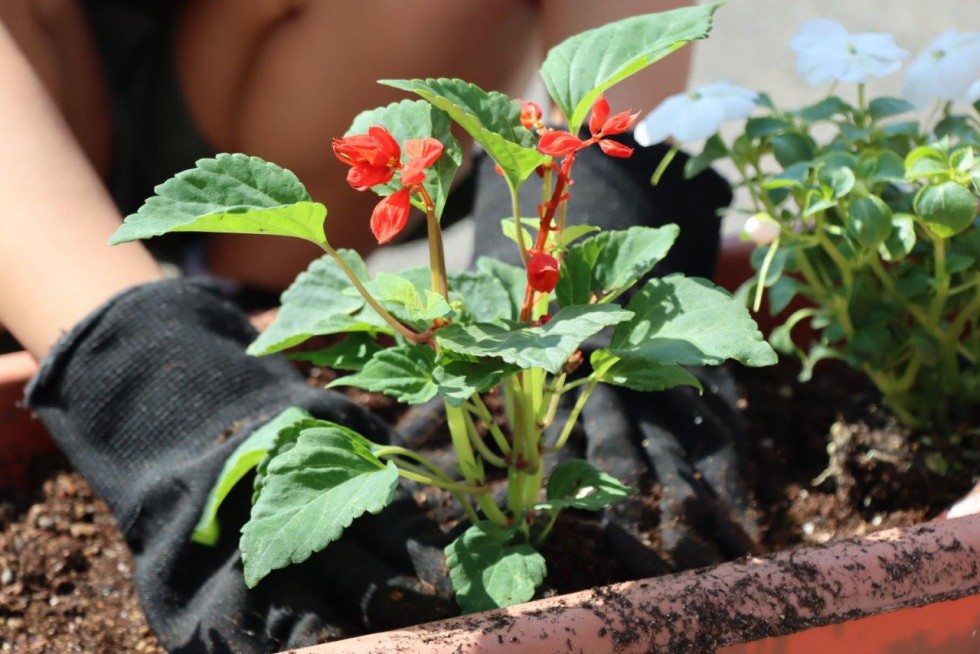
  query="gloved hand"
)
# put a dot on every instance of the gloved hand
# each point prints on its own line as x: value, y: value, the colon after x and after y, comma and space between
x: 685, y: 446
x: 147, y: 398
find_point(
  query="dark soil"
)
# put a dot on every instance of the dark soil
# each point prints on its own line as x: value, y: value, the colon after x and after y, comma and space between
x: 66, y: 575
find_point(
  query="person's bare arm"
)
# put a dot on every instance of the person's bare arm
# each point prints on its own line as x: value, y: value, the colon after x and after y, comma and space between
x: 55, y: 218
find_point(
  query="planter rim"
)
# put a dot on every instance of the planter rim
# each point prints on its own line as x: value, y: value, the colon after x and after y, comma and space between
x: 700, y: 610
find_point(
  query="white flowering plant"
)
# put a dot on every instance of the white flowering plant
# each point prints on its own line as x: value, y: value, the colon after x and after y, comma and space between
x: 865, y: 209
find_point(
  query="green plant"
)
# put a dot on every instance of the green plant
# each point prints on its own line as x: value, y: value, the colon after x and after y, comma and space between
x: 870, y: 215
x: 461, y: 335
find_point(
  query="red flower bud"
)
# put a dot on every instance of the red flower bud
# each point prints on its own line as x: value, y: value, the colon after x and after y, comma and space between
x: 390, y: 216
x: 531, y: 114
x: 600, y: 111
x: 542, y: 272
x: 615, y: 149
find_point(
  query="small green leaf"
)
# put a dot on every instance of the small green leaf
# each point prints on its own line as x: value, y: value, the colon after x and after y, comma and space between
x: 349, y: 354
x: 900, y: 240
x: 403, y: 372
x: 245, y: 457
x: 869, y: 221
x: 925, y: 161
x: 641, y: 374
x: 317, y: 304
x: 714, y: 149
x: 575, y: 232
x: 792, y: 147
x: 491, y: 118
x: 766, y: 126
x: 824, y: 110
x: 689, y: 321
x: 883, y: 107
x: 232, y: 194
x: 885, y: 166
x: 578, y: 484
x: 580, y: 68
x: 509, y: 228
x: 419, y: 305
x: 947, y: 208
x: 407, y: 120
x: 610, y: 262
x: 459, y: 380
x: 487, y: 572
x: 310, y: 494
x: 547, y: 346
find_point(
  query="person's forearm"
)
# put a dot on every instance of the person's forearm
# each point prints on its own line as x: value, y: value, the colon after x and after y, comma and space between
x: 55, y: 218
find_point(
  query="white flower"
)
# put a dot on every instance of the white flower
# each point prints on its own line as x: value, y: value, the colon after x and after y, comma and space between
x: 826, y: 51
x: 973, y: 94
x: 944, y: 70
x: 696, y: 115
x: 761, y: 229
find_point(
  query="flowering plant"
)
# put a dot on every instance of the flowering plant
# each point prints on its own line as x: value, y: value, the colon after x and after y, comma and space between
x: 874, y: 224
x: 515, y: 331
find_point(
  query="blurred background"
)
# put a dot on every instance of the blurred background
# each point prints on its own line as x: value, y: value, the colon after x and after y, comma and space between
x: 749, y: 46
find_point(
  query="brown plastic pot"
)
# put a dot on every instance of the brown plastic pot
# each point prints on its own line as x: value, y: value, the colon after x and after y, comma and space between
x: 866, y: 588
x: 22, y: 437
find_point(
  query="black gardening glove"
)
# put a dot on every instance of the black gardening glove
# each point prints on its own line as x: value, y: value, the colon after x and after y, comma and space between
x: 147, y: 398
x: 684, y: 446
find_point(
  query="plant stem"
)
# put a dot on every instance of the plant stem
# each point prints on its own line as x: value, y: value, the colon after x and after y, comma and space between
x: 480, y: 410
x: 480, y: 446
x: 437, y: 255
x: 515, y: 205
x: 459, y: 434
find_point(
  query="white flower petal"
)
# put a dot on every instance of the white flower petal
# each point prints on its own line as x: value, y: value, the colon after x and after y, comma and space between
x: 700, y: 120
x: 818, y: 33
x: 945, y: 70
x: 657, y: 125
x: 736, y: 101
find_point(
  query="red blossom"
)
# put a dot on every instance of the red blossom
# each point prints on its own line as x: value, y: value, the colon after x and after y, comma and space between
x: 390, y: 216
x: 542, y: 272
x: 531, y: 115
x: 615, y: 149
x: 559, y: 144
x: 373, y: 157
x: 422, y: 153
x: 601, y: 124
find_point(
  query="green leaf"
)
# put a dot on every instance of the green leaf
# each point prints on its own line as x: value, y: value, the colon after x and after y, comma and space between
x: 233, y: 194
x: 487, y: 572
x: 509, y: 228
x: 792, y: 147
x: 869, y: 221
x: 547, y: 346
x: 691, y: 322
x: 424, y: 305
x: 640, y: 374
x: 578, y: 484
x: 885, y: 166
x: 580, y: 68
x: 901, y: 240
x: 512, y: 278
x: 416, y: 120
x: 824, y: 110
x: 482, y: 295
x: 947, y: 208
x: 491, y: 118
x: 403, y: 372
x: 714, y: 149
x: 884, y: 107
x: 318, y: 303
x: 246, y: 456
x: 610, y: 262
x: 349, y: 354
x: 310, y: 494
x: 459, y: 380
x: 765, y: 126
x: 925, y: 161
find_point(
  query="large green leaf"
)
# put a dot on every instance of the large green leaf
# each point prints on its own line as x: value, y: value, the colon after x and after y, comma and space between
x: 580, y: 68
x: 491, y: 118
x: 403, y: 372
x: 231, y: 193
x: 578, y: 484
x: 318, y: 303
x: 547, y: 346
x: 245, y: 457
x: 351, y: 353
x: 608, y: 263
x: 512, y: 278
x: 482, y: 295
x: 310, y: 494
x: 416, y: 120
x: 487, y: 572
x: 459, y: 380
x: 641, y: 374
x: 691, y: 322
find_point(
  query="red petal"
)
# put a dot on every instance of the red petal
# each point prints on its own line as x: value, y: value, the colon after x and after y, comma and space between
x: 615, y: 149
x: 600, y: 111
x: 542, y: 272
x: 619, y: 123
x: 530, y: 114
x: 390, y: 216
x: 351, y: 149
x: 413, y: 174
x: 363, y: 177
x: 386, y: 144
x: 558, y: 144
x: 423, y: 151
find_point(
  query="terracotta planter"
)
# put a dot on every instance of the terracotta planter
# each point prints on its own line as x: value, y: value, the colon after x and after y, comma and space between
x: 22, y: 437
x: 756, y: 601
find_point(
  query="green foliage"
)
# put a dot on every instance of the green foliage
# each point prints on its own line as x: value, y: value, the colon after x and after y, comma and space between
x: 578, y: 484
x: 403, y: 372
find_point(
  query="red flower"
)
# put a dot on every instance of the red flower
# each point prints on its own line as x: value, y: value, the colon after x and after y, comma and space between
x: 615, y: 149
x: 542, y: 272
x: 390, y: 216
x: 559, y: 144
x: 422, y: 153
x: 373, y: 157
x: 601, y: 124
x: 531, y: 115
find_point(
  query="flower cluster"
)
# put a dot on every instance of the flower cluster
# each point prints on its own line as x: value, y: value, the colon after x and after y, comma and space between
x: 374, y: 159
